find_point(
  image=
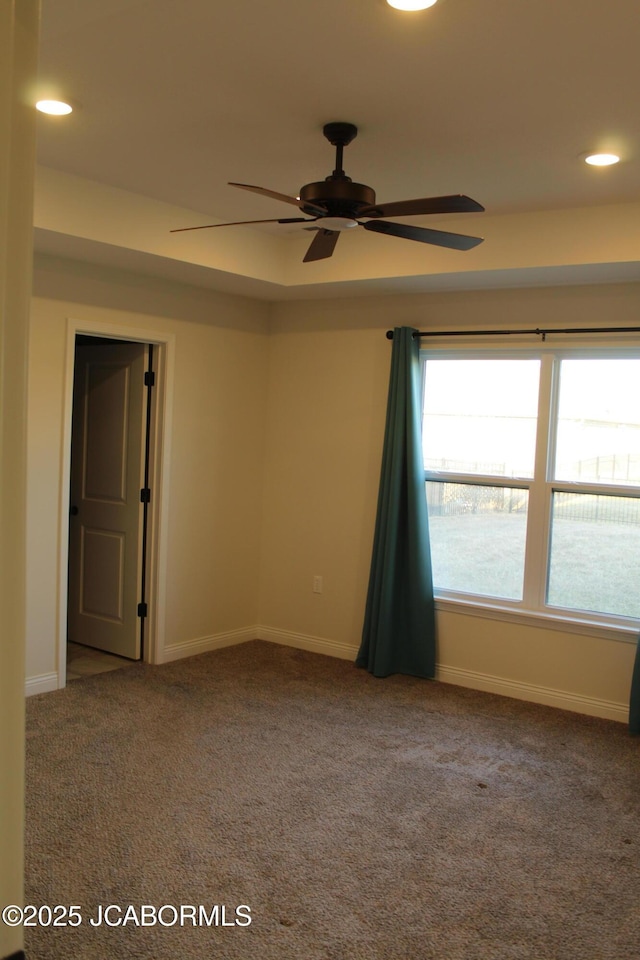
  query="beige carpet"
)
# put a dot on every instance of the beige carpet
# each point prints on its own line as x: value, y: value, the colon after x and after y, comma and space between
x: 358, y: 819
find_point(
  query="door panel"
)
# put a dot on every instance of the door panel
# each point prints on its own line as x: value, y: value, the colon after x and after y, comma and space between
x: 107, y: 469
x: 102, y: 574
x: 106, y: 425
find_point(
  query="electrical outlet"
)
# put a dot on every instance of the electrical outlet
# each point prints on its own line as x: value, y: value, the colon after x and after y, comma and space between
x: 317, y: 583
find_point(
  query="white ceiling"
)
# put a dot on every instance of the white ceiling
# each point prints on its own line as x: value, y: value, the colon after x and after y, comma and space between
x: 496, y: 99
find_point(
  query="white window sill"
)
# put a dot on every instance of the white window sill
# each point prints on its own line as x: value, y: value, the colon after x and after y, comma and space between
x: 561, y: 621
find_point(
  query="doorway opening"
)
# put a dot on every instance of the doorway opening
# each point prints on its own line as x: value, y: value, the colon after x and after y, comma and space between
x: 111, y: 561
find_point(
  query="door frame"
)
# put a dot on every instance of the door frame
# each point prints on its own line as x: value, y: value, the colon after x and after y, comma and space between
x: 159, y: 463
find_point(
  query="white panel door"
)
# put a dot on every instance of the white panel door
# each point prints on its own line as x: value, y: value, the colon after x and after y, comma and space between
x: 107, y: 471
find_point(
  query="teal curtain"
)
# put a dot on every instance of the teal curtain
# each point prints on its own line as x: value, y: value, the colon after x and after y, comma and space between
x: 399, y: 627
x: 634, y: 703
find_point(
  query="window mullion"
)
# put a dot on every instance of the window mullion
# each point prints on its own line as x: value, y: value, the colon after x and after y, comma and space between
x: 539, y: 509
x: 477, y: 479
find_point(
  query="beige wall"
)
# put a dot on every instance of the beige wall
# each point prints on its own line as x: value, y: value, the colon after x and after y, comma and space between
x: 327, y: 405
x: 278, y: 420
x: 217, y: 448
x: 328, y: 377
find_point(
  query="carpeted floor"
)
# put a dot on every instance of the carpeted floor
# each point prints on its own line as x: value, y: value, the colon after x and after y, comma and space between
x: 358, y: 819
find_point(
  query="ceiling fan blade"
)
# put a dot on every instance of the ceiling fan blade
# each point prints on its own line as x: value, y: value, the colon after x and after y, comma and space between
x: 456, y: 241
x: 265, y: 192
x: 457, y: 203
x: 322, y: 245
x: 277, y: 196
x: 242, y: 223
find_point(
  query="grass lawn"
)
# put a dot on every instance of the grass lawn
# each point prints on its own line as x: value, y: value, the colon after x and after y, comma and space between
x: 595, y: 565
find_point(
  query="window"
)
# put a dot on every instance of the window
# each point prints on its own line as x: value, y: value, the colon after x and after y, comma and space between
x: 532, y: 471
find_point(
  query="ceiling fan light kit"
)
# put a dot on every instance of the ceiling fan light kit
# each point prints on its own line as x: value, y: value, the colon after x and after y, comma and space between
x: 338, y: 223
x: 337, y: 204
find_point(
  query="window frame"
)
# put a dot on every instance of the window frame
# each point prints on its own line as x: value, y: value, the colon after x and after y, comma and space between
x: 533, y: 608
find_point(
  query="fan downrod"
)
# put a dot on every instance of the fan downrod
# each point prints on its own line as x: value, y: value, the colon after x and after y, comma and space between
x: 340, y: 135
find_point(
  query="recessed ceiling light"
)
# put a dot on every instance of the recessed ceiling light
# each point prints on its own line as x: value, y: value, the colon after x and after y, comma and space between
x: 55, y: 108
x: 411, y: 4
x: 602, y: 159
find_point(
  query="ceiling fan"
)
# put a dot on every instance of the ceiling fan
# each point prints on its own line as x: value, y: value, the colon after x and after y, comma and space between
x: 337, y: 203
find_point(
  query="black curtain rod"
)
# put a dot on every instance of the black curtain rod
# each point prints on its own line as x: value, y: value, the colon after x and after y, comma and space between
x: 504, y: 333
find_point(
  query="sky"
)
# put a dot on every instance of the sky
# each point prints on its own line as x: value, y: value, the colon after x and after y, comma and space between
x: 482, y: 413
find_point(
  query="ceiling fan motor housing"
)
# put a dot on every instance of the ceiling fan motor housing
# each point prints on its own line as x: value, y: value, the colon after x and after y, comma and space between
x: 341, y: 197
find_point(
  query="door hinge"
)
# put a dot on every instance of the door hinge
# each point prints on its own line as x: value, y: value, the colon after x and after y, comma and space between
x: 145, y: 495
x: 142, y: 609
x: 149, y: 378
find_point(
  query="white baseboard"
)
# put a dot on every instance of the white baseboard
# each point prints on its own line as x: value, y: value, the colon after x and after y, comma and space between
x: 44, y: 683
x: 532, y: 693
x: 305, y: 642
x: 591, y: 706
x: 564, y: 700
x: 176, y: 651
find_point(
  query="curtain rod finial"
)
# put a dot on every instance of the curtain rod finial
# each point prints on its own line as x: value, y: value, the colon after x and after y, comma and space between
x: 389, y: 334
